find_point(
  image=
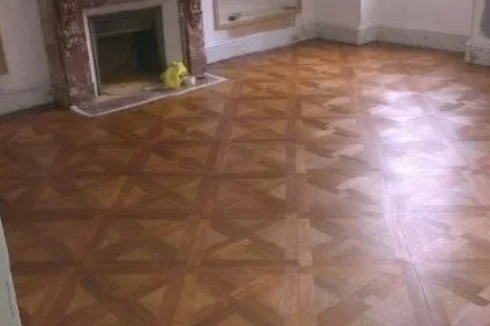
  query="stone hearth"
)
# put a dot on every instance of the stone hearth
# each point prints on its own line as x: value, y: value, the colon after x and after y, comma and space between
x: 68, y: 43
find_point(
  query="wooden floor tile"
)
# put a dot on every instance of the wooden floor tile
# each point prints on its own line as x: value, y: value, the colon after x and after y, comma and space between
x: 371, y: 295
x: 448, y: 237
x: 246, y: 297
x: 458, y: 296
x: 322, y: 184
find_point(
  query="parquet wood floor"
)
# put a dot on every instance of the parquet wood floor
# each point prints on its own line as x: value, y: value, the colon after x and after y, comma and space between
x: 323, y: 184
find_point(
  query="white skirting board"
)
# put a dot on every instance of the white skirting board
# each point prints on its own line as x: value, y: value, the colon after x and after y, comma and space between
x: 477, y: 54
x: 15, y: 99
x: 348, y: 34
x: 259, y: 42
x: 426, y: 39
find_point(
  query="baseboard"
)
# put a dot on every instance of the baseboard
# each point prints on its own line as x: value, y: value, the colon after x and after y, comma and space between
x: 15, y: 99
x: 367, y: 35
x: 477, y: 54
x: 426, y: 39
x: 348, y: 34
x: 260, y: 42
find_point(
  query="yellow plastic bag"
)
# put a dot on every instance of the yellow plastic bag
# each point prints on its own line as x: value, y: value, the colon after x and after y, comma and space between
x: 175, y: 75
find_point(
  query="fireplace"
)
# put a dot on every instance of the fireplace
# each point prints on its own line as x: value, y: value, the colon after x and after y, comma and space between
x: 103, y: 48
x: 128, y: 50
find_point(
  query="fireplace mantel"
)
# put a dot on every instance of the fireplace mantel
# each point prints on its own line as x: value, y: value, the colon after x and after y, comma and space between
x: 68, y: 50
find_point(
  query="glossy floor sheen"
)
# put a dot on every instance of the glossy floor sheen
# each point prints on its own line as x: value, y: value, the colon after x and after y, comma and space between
x: 322, y: 185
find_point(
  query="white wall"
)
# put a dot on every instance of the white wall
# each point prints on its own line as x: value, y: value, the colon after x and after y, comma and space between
x: 221, y: 44
x: 370, y: 13
x: 345, y: 13
x: 445, y: 16
x: 439, y: 24
x: 27, y: 83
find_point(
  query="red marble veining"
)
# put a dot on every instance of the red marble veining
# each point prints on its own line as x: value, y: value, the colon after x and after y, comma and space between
x: 66, y: 44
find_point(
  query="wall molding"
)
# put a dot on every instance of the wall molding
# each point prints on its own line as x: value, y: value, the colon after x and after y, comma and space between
x: 425, y: 39
x: 260, y: 42
x: 19, y: 98
x: 477, y: 54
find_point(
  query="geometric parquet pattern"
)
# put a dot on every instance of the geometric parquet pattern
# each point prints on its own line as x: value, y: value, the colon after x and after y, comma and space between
x: 322, y: 184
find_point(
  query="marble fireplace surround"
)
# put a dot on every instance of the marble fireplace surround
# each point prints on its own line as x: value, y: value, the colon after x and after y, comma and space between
x: 69, y: 54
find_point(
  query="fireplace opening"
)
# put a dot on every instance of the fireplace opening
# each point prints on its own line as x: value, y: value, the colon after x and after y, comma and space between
x: 128, y: 51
